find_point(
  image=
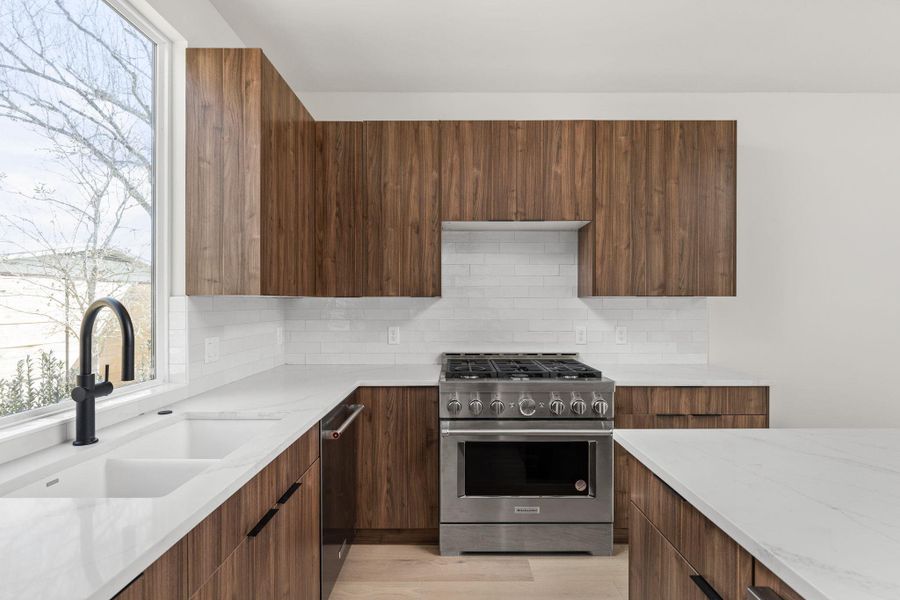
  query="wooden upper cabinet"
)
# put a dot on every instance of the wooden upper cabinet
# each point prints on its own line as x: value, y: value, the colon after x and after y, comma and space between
x: 555, y: 170
x: 341, y: 229
x: 403, y: 220
x: 664, y: 222
x: 249, y: 178
x: 478, y: 170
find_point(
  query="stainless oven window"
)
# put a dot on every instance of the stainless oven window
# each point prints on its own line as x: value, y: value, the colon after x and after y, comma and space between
x: 527, y: 469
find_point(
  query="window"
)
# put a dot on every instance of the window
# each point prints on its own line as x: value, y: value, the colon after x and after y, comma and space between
x: 77, y: 188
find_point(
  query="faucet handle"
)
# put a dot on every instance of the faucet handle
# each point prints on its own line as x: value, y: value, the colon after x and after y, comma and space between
x: 106, y: 372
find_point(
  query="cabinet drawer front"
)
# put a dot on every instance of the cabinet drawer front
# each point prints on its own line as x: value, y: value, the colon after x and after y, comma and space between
x: 714, y: 555
x: 656, y: 570
x: 216, y: 537
x: 716, y: 400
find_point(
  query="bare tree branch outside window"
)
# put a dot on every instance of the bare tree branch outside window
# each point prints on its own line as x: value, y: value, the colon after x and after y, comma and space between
x: 76, y: 190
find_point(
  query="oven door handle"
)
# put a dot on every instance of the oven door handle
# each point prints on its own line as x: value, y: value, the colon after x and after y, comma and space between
x: 446, y: 432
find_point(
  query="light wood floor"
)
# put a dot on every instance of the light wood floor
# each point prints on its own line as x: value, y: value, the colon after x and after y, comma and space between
x: 404, y: 572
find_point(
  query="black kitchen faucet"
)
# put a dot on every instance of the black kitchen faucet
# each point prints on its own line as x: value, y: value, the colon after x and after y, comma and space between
x: 87, y: 390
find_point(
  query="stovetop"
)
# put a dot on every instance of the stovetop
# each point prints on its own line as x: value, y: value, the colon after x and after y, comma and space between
x: 516, y: 367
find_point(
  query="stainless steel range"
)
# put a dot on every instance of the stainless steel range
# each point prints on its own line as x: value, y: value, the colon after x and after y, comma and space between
x: 526, y: 454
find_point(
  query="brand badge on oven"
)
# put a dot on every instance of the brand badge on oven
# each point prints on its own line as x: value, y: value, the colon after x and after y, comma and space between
x: 527, y: 510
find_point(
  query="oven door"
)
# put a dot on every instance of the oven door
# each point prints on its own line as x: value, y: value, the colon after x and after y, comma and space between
x: 526, y: 472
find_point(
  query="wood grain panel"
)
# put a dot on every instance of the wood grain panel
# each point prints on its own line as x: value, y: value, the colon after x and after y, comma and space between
x: 555, y: 170
x: 248, y: 178
x: 687, y: 400
x: 287, y: 201
x: 340, y: 209
x: 763, y: 577
x: 398, y: 458
x: 621, y: 469
x: 233, y: 578
x: 714, y: 555
x: 222, y: 171
x: 404, y: 212
x: 665, y: 202
x: 296, y: 542
x: 655, y: 568
x: 478, y: 170
x: 166, y: 579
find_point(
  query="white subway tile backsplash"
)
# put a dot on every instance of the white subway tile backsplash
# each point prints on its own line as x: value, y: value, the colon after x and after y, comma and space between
x: 503, y: 291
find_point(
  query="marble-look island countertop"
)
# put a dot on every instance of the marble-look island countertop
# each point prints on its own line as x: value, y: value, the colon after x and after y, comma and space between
x: 72, y: 548
x: 820, y: 508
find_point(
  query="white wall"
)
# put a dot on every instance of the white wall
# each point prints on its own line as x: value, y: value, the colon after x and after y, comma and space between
x: 502, y: 291
x: 818, y: 305
x: 198, y: 21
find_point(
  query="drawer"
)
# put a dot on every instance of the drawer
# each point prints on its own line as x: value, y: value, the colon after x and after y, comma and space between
x: 716, y: 400
x: 216, y: 537
x: 714, y: 555
x: 655, y: 569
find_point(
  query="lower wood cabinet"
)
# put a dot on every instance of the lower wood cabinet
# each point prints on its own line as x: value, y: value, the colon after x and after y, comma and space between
x: 397, y: 472
x: 281, y: 559
x: 261, y: 543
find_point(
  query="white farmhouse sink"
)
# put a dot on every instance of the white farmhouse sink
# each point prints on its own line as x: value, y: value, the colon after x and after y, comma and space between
x: 194, y: 437
x: 153, y: 463
x: 106, y: 477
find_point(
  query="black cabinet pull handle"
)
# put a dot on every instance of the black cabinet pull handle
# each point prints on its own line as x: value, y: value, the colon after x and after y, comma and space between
x: 705, y: 587
x: 262, y: 523
x: 290, y: 492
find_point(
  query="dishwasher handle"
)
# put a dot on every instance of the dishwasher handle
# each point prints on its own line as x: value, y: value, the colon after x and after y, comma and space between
x: 335, y: 434
x: 762, y: 593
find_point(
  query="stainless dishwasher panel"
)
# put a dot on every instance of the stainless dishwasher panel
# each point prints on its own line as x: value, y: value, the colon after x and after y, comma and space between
x: 339, y: 451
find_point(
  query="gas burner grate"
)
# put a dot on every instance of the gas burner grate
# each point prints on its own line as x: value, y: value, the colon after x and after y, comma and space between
x: 470, y: 369
x: 566, y: 368
x: 520, y: 368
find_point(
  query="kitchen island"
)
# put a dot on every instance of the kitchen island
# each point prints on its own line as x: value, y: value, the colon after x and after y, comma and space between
x: 817, y: 509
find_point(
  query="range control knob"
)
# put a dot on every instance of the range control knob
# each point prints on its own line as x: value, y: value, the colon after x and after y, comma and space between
x: 527, y: 405
x: 578, y: 405
x: 476, y: 406
x: 454, y: 406
x: 599, y: 405
x: 497, y: 406
x: 557, y: 406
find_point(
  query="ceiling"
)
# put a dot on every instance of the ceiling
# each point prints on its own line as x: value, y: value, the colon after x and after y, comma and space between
x: 576, y: 45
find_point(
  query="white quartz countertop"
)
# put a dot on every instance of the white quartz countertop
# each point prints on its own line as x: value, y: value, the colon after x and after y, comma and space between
x: 820, y: 508
x: 92, y: 547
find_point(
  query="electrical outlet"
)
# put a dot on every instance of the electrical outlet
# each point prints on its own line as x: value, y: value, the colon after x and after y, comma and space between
x: 581, y: 335
x: 211, y: 349
x: 279, y: 336
x: 621, y: 335
x: 393, y: 335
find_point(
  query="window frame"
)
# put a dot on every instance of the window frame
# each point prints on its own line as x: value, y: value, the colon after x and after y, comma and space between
x: 162, y: 174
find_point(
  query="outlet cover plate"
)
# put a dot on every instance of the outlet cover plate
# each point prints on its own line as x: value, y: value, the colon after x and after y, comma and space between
x: 211, y: 349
